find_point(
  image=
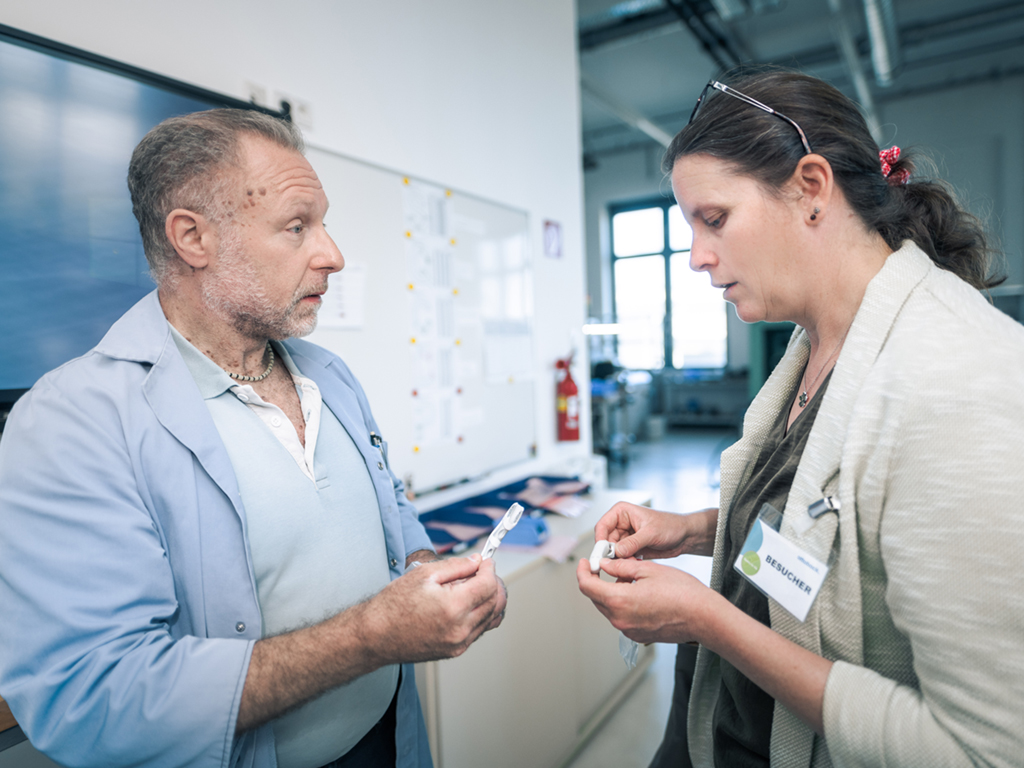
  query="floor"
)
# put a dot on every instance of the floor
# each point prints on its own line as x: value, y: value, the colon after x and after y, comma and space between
x: 681, y: 471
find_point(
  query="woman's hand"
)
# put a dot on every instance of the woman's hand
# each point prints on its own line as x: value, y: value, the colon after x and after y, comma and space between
x: 649, y: 603
x: 658, y: 603
x: 639, y: 531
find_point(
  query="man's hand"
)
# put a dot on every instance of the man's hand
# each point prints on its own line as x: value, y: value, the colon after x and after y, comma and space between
x: 502, y: 602
x: 422, y: 556
x: 434, y: 611
x: 641, y: 532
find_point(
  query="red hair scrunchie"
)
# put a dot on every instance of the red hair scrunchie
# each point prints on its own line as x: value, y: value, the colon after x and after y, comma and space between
x: 888, y: 158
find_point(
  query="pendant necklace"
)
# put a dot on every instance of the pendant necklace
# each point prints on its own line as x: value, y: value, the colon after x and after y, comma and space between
x: 262, y: 376
x: 803, y: 398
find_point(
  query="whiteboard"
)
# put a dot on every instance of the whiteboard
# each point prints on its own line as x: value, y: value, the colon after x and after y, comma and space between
x: 433, y: 313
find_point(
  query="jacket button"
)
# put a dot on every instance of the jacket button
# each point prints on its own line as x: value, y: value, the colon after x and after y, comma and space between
x: 240, y: 627
x: 393, y: 562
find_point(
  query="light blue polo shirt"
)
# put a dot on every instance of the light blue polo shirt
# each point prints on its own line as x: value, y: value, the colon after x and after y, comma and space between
x: 317, y: 543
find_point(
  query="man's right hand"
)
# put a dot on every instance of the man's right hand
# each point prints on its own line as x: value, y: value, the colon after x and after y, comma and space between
x: 639, y: 531
x: 434, y: 611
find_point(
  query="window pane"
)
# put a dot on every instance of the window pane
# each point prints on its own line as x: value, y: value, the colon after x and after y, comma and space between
x: 698, y: 318
x: 640, y: 308
x: 637, y: 232
x: 680, y: 236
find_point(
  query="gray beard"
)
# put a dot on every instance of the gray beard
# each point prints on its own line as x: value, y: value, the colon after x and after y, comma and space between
x: 235, y: 293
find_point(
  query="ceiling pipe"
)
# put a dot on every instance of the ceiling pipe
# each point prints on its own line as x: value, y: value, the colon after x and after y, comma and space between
x: 848, y: 51
x: 885, y: 50
x: 628, y: 27
x: 729, y: 9
x: 718, y: 44
x: 624, y: 113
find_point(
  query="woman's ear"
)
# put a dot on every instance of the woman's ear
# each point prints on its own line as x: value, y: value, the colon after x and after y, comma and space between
x: 815, y: 185
x: 192, y: 236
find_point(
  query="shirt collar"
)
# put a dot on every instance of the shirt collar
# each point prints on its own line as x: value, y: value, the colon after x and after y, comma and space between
x: 212, y: 380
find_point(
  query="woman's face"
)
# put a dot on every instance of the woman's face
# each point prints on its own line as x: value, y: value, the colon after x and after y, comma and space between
x: 742, y: 237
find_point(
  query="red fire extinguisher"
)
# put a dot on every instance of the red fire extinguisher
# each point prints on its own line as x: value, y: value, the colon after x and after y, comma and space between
x: 567, y: 402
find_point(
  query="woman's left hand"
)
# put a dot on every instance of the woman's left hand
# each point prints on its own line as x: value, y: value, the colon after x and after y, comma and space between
x: 654, y: 603
x: 649, y: 603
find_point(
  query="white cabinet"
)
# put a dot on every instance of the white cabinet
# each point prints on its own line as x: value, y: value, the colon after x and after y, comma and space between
x: 532, y: 691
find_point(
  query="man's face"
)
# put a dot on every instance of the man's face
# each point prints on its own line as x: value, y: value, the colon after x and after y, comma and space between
x: 274, y: 254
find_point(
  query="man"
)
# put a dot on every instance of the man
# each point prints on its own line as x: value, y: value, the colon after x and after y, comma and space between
x: 204, y: 558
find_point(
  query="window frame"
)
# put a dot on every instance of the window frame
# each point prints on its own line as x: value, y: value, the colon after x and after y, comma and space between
x: 666, y: 204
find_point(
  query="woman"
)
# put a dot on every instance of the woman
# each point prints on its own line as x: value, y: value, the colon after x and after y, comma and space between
x: 896, y: 417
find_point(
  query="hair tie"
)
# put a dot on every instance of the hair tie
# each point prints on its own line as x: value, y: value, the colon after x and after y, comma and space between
x: 888, y: 158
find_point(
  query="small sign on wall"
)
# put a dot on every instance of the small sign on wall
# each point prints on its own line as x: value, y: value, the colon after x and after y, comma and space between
x: 552, y: 239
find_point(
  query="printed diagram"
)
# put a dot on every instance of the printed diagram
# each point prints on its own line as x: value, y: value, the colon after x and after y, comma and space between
x: 469, y: 291
x: 434, y: 341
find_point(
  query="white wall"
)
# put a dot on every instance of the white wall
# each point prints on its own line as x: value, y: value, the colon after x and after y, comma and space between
x: 976, y: 135
x: 482, y: 97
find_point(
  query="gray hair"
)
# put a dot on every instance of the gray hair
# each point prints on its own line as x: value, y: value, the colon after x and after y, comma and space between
x: 180, y: 164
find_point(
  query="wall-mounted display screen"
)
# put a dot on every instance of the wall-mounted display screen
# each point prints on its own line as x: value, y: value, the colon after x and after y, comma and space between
x: 71, y: 259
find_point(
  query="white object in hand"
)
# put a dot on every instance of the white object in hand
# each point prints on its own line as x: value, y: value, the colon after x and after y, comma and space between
x: 601, y: 549
x: 506, y: 524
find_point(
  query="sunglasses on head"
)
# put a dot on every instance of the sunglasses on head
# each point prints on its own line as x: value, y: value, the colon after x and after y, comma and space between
x: 753, y: 102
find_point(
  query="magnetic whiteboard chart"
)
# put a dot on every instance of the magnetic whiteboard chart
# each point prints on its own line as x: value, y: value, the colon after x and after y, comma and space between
x: 433, y: 313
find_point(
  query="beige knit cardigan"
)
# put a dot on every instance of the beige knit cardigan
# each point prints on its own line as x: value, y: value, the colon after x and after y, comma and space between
x: 921, y: 437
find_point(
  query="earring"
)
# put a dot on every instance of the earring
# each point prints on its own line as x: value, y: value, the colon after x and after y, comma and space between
x: 815, y: 214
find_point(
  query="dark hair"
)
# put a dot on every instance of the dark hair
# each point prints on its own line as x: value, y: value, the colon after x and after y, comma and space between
x: 767, y: 148
x: 180, y: 164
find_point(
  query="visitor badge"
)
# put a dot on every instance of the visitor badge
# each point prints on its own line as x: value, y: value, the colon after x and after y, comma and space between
x: 779, y: 568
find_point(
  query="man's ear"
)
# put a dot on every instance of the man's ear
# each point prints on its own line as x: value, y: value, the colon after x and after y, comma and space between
x: 192, y: 235
x: 815, y: 183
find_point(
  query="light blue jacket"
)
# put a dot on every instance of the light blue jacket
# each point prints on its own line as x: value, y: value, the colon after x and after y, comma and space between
x: 128, y: 607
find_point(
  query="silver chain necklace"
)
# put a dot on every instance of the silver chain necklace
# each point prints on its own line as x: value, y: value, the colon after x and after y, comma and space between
x: 802, y: 400
x: 262, y: 376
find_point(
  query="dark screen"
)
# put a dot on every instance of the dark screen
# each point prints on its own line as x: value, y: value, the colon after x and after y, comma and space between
x: 71, y: 259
